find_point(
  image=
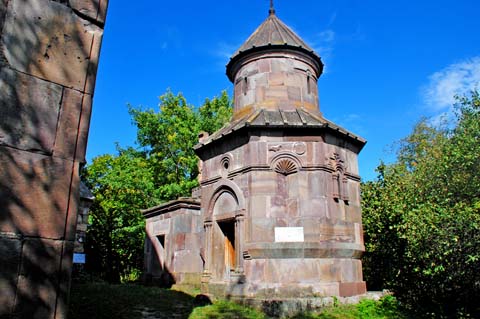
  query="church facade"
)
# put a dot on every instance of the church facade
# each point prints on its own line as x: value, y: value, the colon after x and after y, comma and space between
x: 277, y: 213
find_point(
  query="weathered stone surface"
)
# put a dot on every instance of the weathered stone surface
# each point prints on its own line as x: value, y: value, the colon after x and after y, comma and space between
x: 73, y: 203
x: 159, y: 227
x: 93, y: 61
x: 65, y: 279
x: 11, y: 252
x: 186, y: 262
x: 49, y: 55
x: 46, y: 39
x: 259, y: 206
x: 38, y: 278
x: 94, y: 9
x: 67, y: 133
x: 30, y: 109
x: 348, y: 289
x: 182, y: 224
x: 3, y: 11
x: 34, y: 193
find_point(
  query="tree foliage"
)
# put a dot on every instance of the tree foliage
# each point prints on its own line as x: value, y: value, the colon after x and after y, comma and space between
x: 422, y: 217
x: 168, y: 138
x: 122, y: 185
x: 164, y: 168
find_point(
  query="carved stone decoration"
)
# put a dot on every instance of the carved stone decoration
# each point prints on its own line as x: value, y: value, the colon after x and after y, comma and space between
x: 340, y: 182
x: 225, y: 161
x: 275, y: 148
x: 336, y: 162
x: 300, y: 148
x: 286, y: 166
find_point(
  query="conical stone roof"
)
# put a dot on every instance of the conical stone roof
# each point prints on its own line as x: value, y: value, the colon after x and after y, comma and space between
x: 272, y: 34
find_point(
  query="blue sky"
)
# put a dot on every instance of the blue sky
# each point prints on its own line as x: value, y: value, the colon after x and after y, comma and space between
x: 388, y: 63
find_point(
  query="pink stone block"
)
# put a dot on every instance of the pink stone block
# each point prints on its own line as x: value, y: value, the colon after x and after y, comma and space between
x: 179, y: 242
x: 67, y: 132
x: 294, y: 94
x: 34, y: 193
x: 259, y: 206
x: 263, y: 65
x: 276, y: 79
x: 348, y: 289
x: 254, y: 270
x: 43, y: 38
x: 263, y: 183
x: 292, y: 207
x: 73, y: 203
x: 279, y: 65
x: 262, y: 230
x: 30, y: 109
x: 95, y: 9
x: 39, y: 278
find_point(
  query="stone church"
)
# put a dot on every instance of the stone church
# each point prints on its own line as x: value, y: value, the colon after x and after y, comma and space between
x: 277, y: 213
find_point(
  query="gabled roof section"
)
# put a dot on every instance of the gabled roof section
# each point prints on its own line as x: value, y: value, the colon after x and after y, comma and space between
x: 299, y: 118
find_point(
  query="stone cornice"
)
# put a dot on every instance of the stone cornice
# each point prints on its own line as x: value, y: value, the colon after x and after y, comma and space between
x: 181, y: 203
x: 257, y: 168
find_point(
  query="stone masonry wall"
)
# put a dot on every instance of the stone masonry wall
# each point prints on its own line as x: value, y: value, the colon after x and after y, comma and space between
x: 176, y: 257
x: 319, y: 194
x: 283, y: 81
x: 48, y: 60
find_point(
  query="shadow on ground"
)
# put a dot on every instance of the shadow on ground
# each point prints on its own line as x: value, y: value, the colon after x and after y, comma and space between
x: 127, y: 301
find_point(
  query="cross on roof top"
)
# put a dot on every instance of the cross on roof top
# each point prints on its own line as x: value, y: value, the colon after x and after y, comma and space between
x: 272, y: 9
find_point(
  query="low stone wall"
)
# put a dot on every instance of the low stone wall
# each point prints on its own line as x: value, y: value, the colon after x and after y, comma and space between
x: 284, y: 308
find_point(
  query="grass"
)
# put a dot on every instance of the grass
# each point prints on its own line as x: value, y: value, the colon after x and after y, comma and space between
x: 386, y: 308
x: 128, y: 301
x: 226, y: 310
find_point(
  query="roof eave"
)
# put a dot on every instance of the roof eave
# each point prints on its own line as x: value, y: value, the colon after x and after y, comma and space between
x: 272, y: 48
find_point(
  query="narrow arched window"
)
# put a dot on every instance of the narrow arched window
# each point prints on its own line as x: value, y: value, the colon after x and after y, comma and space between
x: 309, y: 84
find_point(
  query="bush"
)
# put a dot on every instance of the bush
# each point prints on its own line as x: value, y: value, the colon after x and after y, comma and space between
x: 422, y: 218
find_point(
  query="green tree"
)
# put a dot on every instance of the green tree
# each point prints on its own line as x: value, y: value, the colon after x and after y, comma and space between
x: 122, y: 185
x: 215, y: 113
x: 163, y: 169
x: 422, y: 217
x: 168, y: 137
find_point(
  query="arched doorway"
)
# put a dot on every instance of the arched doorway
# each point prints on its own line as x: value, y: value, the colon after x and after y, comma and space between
x: 224, y: 228
x: 223, y: 235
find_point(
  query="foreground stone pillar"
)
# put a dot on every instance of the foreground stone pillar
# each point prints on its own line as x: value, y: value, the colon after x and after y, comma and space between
x: 48, y: 60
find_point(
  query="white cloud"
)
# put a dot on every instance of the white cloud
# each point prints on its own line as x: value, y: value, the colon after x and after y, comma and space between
x: 456, y: 79
x: 323, y: 44
x: 332, y: 19
x: 225, y: 50
x: 327, y: 36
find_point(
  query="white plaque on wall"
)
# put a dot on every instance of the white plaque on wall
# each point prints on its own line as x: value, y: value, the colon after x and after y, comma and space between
x: 289, y: 234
